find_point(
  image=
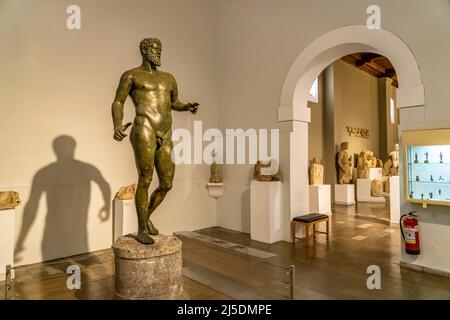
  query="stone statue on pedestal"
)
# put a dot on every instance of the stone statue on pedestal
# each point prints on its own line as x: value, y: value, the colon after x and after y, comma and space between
x: 366, y: 160
x: 344, y: 164
x: 216, y: 173
x: 394, y: 157
x: 127, y: 193
x: 266, y: 177
x: 315, y: 172
x: 154, y: 94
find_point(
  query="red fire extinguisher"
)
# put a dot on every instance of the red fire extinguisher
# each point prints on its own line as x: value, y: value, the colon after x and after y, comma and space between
x: 409, y: 226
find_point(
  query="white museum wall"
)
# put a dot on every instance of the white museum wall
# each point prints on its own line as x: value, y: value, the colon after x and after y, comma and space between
x: 354, y: 99
x: 59, y: 82
x: 355, y: 105
x: 260, y: 39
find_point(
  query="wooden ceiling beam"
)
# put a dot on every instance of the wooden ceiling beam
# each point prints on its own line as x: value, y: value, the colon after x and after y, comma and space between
x: 376, y: 67
x: 390, y: 73
x: 365, y: 58
x: 374, y: 64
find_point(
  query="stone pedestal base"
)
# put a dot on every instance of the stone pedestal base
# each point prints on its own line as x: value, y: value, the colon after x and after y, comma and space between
x: 363, y: 192
x: 395, y: 200
x: 7, y: 220
x: 344, y: 194
x: 125, y: 217
x: 375, y: 173
x: 148, y: 272
x: 320, y: 199
x: 265, y: 211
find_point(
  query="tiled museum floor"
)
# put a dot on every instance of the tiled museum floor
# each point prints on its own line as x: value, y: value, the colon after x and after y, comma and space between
x: 48, y: 280
x: 360, y: 237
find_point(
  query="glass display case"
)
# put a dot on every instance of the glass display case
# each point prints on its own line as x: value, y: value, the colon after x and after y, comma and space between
x: 427, y: 167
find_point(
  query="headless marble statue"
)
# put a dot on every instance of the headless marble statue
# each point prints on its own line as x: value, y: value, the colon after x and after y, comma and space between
x: 216, y: 173
x: 344, y: 164
x: 394, y: 156
x: 315, y: 172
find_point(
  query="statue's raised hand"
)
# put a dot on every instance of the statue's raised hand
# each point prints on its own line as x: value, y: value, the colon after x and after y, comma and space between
x: 192, y: 107
x: 119, y: 132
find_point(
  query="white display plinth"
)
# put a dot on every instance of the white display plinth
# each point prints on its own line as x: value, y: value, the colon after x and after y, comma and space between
x: 344, y: 194
x: 364, y: 194
x: 125, y: 218
x: 395, y: 199
x: 7, y: 227
x: 375, y: 173
x: 320, y: 199
x: 265, y: 211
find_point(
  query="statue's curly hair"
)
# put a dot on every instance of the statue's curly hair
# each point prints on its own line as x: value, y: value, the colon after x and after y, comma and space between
x: 148, y: 42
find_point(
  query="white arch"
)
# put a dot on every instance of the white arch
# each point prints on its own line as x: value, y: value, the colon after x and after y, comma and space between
x: 294, y: 113
x: 336, y: 44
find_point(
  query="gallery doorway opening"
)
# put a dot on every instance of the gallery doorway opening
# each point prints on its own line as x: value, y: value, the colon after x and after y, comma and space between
x: 353, y: 104
x: 294, y: 114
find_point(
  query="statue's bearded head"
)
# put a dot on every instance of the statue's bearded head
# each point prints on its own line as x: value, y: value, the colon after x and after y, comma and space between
x: 151, y: 50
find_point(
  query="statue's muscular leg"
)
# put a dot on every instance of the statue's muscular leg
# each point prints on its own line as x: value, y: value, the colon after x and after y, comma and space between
x: 144, y: 146
x: 165, y: 169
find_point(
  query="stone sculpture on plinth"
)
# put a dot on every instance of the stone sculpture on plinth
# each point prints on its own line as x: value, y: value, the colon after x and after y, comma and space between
x: 344, y: 164
x: 258, y: 175
x: 366, y: 160
x: 315, y: 172
x: 216, y: 173
x: 127, y: 192
x: 155, y: 95
x: 215, y: 186
x: 395, y: 159
x: 139, y: 267
x: 9, y: 200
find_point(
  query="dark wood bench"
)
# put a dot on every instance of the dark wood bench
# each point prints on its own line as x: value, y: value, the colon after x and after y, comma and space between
x: 307, y: 221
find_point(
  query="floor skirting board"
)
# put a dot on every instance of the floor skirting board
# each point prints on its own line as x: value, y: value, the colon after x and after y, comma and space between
x: 424, y: 269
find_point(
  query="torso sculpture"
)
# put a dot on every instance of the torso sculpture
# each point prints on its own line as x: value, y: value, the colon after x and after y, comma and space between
x: 216, y: 173
x: 394, y: 156
x: 344, y: 163
x: 315, y: 172
x: 364, y: 163
x: 265, y: 177
x: 154, y: 94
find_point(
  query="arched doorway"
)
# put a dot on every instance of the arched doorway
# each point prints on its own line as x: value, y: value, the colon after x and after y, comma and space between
x: 294, y: 115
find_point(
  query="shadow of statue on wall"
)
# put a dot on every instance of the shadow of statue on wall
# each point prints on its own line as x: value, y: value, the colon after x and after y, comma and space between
x: 66, y: 184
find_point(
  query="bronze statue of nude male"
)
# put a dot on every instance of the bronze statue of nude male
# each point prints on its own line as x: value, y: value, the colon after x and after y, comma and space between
x: 154, y: 94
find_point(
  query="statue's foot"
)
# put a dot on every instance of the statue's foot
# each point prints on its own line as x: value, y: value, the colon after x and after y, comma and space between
x: 144, y: 238
x: 151, y: 228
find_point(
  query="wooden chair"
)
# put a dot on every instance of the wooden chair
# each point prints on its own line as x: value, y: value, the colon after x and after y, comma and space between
x: 307, y: 221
